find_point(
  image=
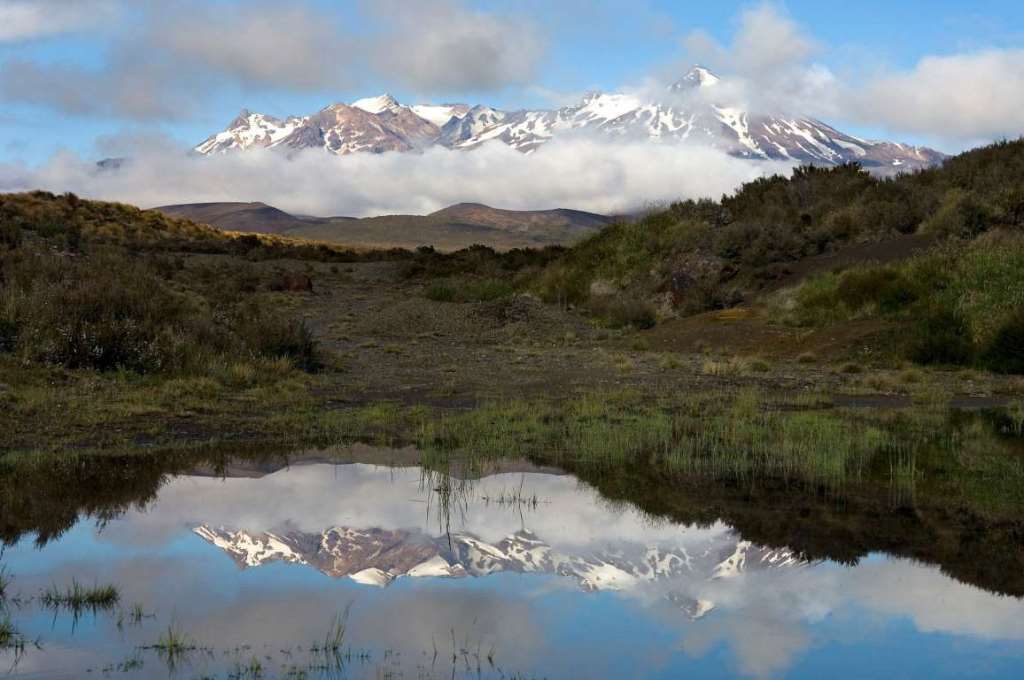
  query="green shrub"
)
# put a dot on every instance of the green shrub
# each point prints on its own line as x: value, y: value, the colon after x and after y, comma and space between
x: 960, y: 214
x: 940, y: 335
x: 110, y: 311
x: 619, y: 312
x: 103, y: 312
x: 10, y: 233
x: 816, y: 301
x: 487, y: 290
x: 885, y: 287
x: 273, y: 337
x: 440, y: 291
x: 8, y: 334
x: 1005, y: 352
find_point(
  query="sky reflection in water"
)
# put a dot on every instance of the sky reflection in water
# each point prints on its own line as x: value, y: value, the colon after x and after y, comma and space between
x: 611, y: 594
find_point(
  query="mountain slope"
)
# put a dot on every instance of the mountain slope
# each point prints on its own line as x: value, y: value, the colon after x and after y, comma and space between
x: 378, y: 557
x: 694, y: 109
x: 257, y: 217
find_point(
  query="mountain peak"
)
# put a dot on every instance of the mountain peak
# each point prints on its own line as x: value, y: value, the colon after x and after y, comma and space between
x: 380, y: 124
x: 696, y: 77
x: 384, y: 102
x: 241, y: 119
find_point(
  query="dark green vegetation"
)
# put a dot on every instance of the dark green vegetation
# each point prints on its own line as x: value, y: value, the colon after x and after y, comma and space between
x: 958, y: 303
x: 966, y: 216
x: 108, y: 308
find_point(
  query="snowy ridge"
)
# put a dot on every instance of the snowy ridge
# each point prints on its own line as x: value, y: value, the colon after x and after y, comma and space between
x: 376, y: 557
x: 688, y: 111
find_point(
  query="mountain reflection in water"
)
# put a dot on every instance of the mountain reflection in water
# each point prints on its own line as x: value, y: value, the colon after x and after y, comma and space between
x: 519, y: 572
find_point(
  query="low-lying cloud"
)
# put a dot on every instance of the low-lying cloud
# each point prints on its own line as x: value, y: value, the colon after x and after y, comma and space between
x: 581, y: 173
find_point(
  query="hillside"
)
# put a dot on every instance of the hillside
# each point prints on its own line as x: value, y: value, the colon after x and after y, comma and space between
x: 457, y: 226
x: 934, y: 260
x: 257, y: 218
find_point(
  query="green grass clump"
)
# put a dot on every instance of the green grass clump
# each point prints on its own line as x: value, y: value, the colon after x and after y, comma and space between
x: 10, y: 638
x: 79, y: 597
x: 174, y: 647
x: 5, y: 583
x: 747, y: 439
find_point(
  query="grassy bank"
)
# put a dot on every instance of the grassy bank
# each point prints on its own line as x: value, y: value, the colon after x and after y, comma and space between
x: 961, y: 303
x: 696, y: 256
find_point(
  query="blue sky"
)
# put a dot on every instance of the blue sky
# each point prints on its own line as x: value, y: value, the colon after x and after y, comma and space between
x: 570, y: 47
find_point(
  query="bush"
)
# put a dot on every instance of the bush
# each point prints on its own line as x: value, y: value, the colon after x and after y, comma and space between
x: 272, y: 337
x: 8, y: 334
x: 1005, y: 352
x: 487, y: 290
x: 440, y: 291
x: 960, y: 214
x: 620, y: 312
x: 885, y: 287
x: 104, y: 313
x: 109, y: 311
x: 940, y: 336
x: 10, y: 234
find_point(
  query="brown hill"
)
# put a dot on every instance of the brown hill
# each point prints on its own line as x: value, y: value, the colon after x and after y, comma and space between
x: 252, y: 217
x: 452, y: 228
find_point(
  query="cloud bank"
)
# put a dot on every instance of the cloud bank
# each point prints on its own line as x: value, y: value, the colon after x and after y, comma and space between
x: 183, y: 52
x: 22, y: 20
x: 581, y: 173
x: 771, y: 66
x: 969, y: 96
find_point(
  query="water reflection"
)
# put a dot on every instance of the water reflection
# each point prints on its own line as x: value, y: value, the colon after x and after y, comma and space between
x: 536, y: 574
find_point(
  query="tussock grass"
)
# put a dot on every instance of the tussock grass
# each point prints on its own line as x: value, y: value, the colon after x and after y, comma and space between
x: 10, y: 638
x: 174, y: 647
x: 469, y: 289
x: 78, y: 597
x: 743, y: 435
x: 5, y: 583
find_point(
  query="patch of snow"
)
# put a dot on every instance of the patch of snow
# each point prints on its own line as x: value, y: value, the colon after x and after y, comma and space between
x: 372, y: 577
x: 436, y: 114
x: 379, y: 104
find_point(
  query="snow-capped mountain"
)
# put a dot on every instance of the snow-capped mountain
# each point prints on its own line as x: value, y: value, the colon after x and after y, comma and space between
x: 378, y: 557
x: 689, y: 110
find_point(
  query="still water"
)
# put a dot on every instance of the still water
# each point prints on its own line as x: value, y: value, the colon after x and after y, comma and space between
x: 523, y: 573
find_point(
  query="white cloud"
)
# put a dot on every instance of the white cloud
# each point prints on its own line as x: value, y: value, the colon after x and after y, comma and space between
x: 767, y: 63
x: 258, y: 44
x: 180, y: 52
x: 22, y: 20
x: 581, y: 173
x: 957, y: 99
x: 448, y: 47
x: 967, y: 96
